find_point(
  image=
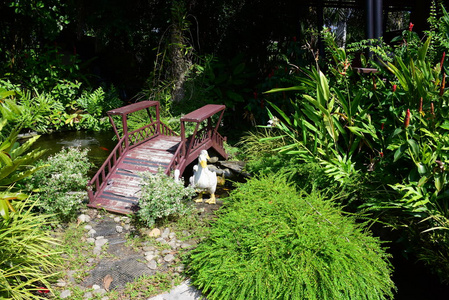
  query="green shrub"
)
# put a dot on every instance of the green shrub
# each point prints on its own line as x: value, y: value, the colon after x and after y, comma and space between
x: 162, y: 197
x: 61, y: 185
x: 27, y: 257
x: 271, y: 242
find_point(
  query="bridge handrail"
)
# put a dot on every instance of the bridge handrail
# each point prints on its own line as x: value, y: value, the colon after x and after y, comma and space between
x: 100, y: 177
x: 177, y: 159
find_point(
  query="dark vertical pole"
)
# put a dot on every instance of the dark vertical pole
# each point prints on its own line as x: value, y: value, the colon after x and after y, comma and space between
x: 378, y: 13
x: 369, y: 19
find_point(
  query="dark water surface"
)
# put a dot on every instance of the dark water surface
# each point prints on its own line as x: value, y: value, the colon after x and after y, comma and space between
x: 100, y: 144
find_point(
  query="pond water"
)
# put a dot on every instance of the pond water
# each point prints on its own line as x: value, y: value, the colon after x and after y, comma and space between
x: 100, y: 144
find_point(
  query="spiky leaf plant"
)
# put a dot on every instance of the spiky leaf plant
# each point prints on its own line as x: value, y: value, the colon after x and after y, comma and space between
x: 27, y: 255
x: 273, y: 242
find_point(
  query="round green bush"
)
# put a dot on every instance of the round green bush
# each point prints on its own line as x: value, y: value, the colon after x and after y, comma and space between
x: 271, y: 242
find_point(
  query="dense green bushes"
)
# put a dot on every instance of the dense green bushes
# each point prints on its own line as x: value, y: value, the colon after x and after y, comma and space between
x: 60, y: 184
x: 273, y: 242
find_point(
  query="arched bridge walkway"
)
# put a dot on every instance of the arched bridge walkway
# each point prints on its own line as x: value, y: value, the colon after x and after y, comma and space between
x: 116, y: 185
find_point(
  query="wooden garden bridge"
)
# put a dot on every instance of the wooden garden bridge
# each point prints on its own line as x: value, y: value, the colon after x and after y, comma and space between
x: 116, y: 185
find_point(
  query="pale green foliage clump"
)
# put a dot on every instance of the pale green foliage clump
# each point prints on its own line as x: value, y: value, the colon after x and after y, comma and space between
x: 27, y: 258
x: 162, y: 197
x: 61, y: 185
x: 271, y: 242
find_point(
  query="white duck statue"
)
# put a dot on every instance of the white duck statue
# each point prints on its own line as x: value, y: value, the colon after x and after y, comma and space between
x: 204, y: 180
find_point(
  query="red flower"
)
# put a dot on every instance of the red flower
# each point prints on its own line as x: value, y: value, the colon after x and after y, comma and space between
x: 381, y: 154
x: 410, y: 27
x: 43, y: 290
x: 382, y: 126
x: 394, y: 87
x: 407, y: 118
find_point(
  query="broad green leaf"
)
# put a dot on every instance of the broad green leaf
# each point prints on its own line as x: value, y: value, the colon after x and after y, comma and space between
x: 414, y: 147
x: 399, y: 152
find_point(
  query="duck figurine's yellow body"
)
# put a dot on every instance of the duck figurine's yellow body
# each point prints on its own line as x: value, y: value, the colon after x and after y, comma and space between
x: 204, y: 180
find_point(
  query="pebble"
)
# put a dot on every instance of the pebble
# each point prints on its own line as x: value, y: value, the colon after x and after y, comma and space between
x: 91, y: 240
x: 156, y: 232
x: 185, y: 246
x: 119, y: 229
x: 88, y: 295
x: 161, y: 241
x: 97, y: 251
x: 100, y: 242
x: 88, y: 227
x: 127, y: 227
x: 83, y: 218
x: 150, y: 257
x: 148, y: 248
x: 152, y: 265
x: 99, y: 292
x: 65, y: 294
x: 61, y: 283
x: 165, y: 233
x: 165, y: 252
x: 92, y: 232
x: 117, y: 220
x: 169, y: 258
x: 96, y: 286
x: 172, y: 235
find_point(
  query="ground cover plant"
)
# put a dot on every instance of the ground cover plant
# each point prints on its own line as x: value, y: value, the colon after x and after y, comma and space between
x: 273, y: 241
x: 60, y: 185
x: 162, y: 197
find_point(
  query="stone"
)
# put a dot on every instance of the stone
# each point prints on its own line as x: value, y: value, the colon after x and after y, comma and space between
x: 90, y: 241
x: 127, y: 227
x: 61, y: 283
x: 119, y: 229
x: 99, y: 237
x: 65, y: 294
x: 90, y: 260
x: 88, y: 227
x: 83, y: 219
x: 148, y: 248
x: 117, y: 220
x: 161, y: 241
x: 88, y: 295
x: 101, y: 242
x: 213, y: 159
x: 105, y: 298
x: 126, y: 220
x: 97, y: 251
x: 96, y: 286
x: 150, y: 257
x: 172, y: 235
x: 99, y: 292
x: 185, y: 246
x: 169, y: 258
x: 155, y: 232
x: 152, y: 265
x: 166, y: 251
x: 165, y: 233
x: 92, y: 232
x: 173, y: 244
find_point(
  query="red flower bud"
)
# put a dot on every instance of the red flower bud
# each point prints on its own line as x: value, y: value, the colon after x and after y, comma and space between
x: 42, y: 290
x: 382, y: 126
x: 381, y: 154
x: 394, y: 87
x: 410, y: 27
x: 407, y: 118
